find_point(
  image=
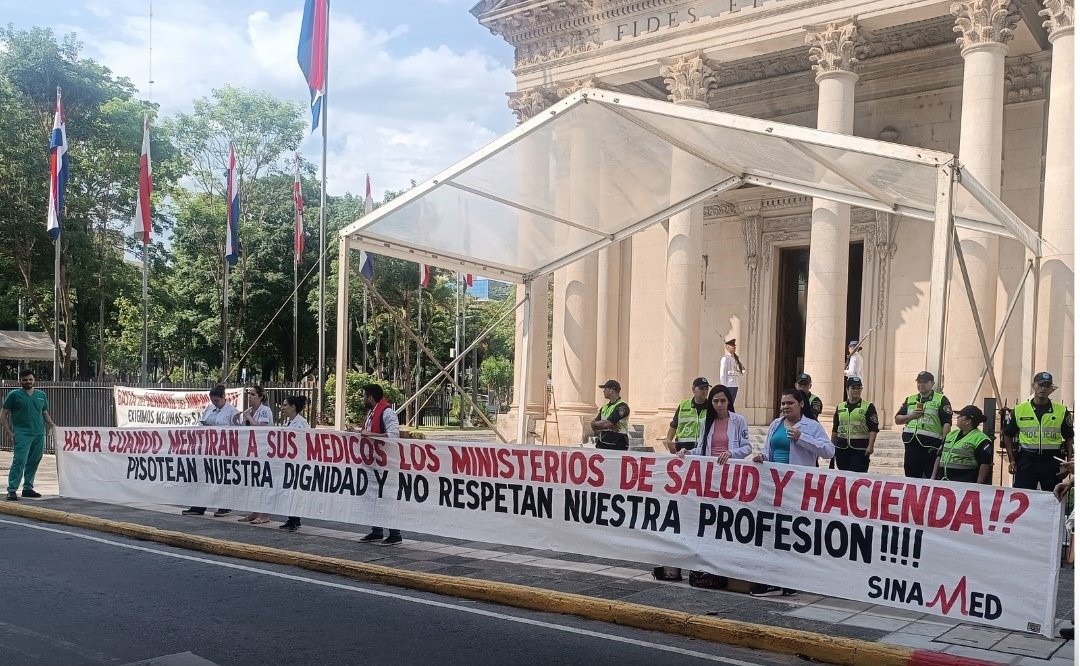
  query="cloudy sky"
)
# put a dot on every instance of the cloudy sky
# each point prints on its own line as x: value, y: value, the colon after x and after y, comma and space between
x: 414, y: 85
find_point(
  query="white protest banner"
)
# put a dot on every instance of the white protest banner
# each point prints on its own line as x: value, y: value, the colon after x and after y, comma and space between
x: 136, y: 407
x: 967, y: 552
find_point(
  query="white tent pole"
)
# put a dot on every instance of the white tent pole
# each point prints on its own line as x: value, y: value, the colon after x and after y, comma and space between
x: 939, y: 265
x: 523, y: 375
x: 343, y: 331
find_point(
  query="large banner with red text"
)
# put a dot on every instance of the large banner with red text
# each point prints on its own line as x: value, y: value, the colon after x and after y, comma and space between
x: 136, y: 407
x: 961, y: 551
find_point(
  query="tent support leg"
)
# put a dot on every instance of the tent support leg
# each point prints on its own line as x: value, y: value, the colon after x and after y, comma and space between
x: 1013, y: 300
x: 939, y: 271
x: 523, y: 378
x: 987, y: 358
x: 342, y: 359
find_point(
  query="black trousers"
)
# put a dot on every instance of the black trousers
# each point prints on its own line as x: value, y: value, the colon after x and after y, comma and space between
x: 919, y: 460
x: 614, y: 446
x: 1034, y: 470
x: 852, y: 459
x: 734, y: 394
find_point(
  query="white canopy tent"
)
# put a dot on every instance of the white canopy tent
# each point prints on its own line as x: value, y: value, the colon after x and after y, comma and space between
x: 28, y: 346
x: 599, y: 166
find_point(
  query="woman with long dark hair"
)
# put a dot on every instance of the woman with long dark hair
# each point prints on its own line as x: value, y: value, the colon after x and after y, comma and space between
x: 725, y: 434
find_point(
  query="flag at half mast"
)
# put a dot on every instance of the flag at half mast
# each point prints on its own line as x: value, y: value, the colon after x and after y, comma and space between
x: 367, y: 262
x: 232, y: 223
x: 58, y: 169
x: 298, y: 202
x: 311, y: 54
x: 143, y: 227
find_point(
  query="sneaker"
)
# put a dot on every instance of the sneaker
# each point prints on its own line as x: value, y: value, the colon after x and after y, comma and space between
x: 222, y: 512
x: 193, y: 511
x: 13, y: 497
x: 761, y: 590
x: 392, y: 540
x: 289, y: 525
x: 373, y: 536
x: 32, y: 494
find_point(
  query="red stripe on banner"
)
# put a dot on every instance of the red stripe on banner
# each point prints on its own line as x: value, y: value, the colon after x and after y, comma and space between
x: 931, y: 658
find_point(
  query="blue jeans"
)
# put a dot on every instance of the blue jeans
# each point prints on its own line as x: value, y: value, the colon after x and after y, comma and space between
x: 25, y: 459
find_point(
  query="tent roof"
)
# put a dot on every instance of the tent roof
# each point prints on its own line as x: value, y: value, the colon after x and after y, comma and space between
x: 27, y: 346
x: 599, y: 166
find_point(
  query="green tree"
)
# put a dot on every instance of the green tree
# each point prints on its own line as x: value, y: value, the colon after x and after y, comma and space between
x: 497, y: 374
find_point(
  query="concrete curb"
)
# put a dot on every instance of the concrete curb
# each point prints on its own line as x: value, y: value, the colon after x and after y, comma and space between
x: 827, y: 649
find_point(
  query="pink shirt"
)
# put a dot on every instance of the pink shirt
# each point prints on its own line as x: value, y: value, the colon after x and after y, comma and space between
x: 719, y: 440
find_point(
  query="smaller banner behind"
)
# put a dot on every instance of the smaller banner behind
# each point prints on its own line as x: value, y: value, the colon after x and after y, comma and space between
x: 968, y: 552
x: 137, y: 408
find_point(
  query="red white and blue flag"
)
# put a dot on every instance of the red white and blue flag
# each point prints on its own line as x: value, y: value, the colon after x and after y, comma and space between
x: 425, y: 275
x: 311, y: 54
x: 58, y: 171
x: 143, y: 227
x: 367, y: 262
x: 298, y: 202
x: 232, y: 231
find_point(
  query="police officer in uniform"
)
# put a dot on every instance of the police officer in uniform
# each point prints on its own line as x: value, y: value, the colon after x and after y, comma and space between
x: 812, y: 407
x: 967, y: 455
x: 927, y: 418
x: 684, y: 432
x: 1040, y: 432
x: 613, y: 420
x: 855, y: 429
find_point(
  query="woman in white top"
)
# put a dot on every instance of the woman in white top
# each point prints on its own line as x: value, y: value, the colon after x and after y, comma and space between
x: 290, y: 409
x: 257, y: 414
x: 725, y: 434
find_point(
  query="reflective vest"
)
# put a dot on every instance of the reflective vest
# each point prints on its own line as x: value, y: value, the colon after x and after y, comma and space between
x: 929, y: 424
x: 691, y: 422
x: 1039, y: 435
x: 607, y: 410
x: 852, y: 421
x: 959, y: 452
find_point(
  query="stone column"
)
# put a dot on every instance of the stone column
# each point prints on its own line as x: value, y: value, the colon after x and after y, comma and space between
x: 1054, y: 321
x: 833, y: 50
x: 690, y: 81
x: 525, y: 104
x: 985, y: 26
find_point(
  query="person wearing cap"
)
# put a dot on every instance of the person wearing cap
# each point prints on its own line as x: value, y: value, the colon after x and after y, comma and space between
x: 731, y: 371
x: 854, y: 366
x: 1038, y: 435
x: 855, y: 429
x: 686, y: 426
x: 967, y: 455
x: 927, y: 418
x: 812, y: 407
x: 613, y: 420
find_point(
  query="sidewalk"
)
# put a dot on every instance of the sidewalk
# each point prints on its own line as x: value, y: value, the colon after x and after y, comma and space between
x: 600, y: 578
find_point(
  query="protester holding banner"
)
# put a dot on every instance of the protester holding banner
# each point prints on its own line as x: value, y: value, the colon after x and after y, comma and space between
x: 257, y: 414
x: 218, y: 413
x: 381, y: 420
x: 290, y: 409
x: 793, y: 439
x: 967, y: 455
x: 23, y: 417
x: 855, y: 429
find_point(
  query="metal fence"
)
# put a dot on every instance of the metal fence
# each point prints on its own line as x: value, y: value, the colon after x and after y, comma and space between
x: 90, y: 404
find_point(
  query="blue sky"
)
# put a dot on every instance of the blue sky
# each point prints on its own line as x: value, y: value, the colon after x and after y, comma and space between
x: 415, y: 85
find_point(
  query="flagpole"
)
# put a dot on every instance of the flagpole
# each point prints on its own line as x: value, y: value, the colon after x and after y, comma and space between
x: 296, y: 319
x: 457, y: 346
x: 322, y: 232
x: 56, y: 305
x: 143, y: 377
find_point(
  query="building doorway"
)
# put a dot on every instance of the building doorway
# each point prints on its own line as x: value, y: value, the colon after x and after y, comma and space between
x: 793, y: 276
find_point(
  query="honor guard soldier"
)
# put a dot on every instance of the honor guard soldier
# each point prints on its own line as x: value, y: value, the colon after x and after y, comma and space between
x: 812, y: 407
x: 855, y: 429
x: 1039, y: 437
x: 685, y: 429
x: 927, y: 418
x: 613, y: 420
x: 967, y: 454
x: 731, y: 371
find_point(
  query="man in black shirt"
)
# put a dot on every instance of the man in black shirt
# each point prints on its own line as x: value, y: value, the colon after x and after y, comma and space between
x: 613, y: 420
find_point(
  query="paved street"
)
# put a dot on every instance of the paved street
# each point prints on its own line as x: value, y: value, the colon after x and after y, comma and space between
x: 77, y: 597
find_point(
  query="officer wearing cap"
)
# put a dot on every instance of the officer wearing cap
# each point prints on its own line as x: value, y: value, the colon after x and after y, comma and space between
x: 731, y: 371
x: 927, y: 418
x: 967, y: 454
x: 684, y: 432
x: 613, y: 420
x: 812, y: 407
x: 855, y: 429
x: 1039, y: 432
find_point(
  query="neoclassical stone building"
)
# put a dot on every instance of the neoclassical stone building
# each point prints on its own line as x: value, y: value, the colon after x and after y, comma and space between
x: 791, y: 277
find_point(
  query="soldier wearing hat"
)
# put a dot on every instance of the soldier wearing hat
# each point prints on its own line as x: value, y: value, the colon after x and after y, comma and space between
x: 855, y: 429
x: 967, y: 454
x: 686, y: 426
x: 1037, y: 437
x: 812, y: 407
x: 731, y: 370
x: 854, y: 365
x: 927, y: 418
x: 613, y: 420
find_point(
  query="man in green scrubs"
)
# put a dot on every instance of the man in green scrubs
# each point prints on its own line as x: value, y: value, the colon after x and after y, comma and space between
x: 23, y: 417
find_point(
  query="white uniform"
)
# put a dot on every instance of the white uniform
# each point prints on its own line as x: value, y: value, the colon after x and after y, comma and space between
x: 730, y: 374
x: 854, y: 366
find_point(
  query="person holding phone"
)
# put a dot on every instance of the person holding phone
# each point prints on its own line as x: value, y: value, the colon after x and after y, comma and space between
x: 218, y: 413
x: 927, y: 417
